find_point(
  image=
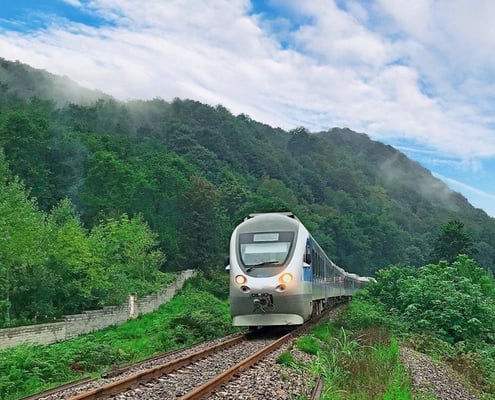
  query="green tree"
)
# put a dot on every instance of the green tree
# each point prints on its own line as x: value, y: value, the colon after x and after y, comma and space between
x: 70, y: 261
x: 125, y: 256
x: 450, y: 242
x: 203, y: 228
x: 234, y: 192
x: 23, y: 244
x: 301, y: 142
x: 109, y: 185
x: 24, y: 135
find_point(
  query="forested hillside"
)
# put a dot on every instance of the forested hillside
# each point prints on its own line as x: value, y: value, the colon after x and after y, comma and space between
x: 191, y: 172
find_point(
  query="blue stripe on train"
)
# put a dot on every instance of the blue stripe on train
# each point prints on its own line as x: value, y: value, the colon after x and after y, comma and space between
x: 307, y: 273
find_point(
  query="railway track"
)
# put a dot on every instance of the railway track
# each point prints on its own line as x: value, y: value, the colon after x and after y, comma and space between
x: 186, y: 377
x: 192, y: 373
x: 193, y: 376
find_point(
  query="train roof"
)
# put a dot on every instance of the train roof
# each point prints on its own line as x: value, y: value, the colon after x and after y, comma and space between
x: 286, y: 213
x: 264, y: 222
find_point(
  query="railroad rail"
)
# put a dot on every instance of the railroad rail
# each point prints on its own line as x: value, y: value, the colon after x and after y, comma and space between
x: 190, y: 372
x: 184, y: 378
x: 87, y: 383
x: 155, y: 373
x: 58, y: 389
x: 223, y: 377
x: 152, y: 373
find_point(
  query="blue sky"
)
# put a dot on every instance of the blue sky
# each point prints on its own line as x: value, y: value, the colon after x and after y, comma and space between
x: 418, y: 75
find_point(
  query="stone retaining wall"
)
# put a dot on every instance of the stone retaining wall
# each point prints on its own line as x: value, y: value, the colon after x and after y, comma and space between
x: 89, y: 321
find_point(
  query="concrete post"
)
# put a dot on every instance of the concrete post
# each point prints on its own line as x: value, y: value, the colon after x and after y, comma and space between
x: 132, y: 306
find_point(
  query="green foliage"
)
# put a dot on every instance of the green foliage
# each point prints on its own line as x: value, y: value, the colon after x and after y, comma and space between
x: 28, y: 367
x: 353, y: 369
x: 204, y: 226
x: 93, y: 355
x: 455, y: 301
x: 50, y: 265
x: 23, y: 245
x: 125, y: 251
x: 325, y: 332
x: 70, y: 261
x: 446, y: 310
x: 108, y: 174
x: 210, y: 316
x: 397, y: 379
x: 186, y: 161
x: 24, y: 135
x: 214, y: 281
x: 362, y: 314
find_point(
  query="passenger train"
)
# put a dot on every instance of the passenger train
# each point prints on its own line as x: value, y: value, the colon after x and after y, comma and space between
x: 279, y: 275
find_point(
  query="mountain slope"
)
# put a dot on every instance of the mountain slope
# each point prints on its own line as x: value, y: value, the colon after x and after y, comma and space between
x: 193, y: 171
x: 27, y: 82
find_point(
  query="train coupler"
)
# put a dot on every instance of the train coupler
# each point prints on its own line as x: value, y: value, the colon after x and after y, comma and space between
x: 262, y: 301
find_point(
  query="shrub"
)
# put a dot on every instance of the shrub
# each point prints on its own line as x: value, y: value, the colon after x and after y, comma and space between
x: 362, y: 314
x: 453, y: 300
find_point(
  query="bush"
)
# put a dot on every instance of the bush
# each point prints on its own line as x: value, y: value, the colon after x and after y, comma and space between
x: 93, y: 355
x: 455, y: 301
x: 353, y: 369
x: 214, y: 281
x: 361, y: 314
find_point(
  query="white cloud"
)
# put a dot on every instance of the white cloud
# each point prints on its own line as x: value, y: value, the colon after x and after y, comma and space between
x: 74, y: 3
x: 407, y: 73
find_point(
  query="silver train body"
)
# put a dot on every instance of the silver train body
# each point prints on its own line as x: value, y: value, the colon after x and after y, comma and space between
x: 279, y: 275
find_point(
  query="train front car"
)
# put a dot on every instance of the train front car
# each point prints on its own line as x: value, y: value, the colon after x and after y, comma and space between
x: 267, y: 283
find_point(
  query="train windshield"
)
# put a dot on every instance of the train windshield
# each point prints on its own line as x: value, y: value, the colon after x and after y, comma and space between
x: 265, y: 249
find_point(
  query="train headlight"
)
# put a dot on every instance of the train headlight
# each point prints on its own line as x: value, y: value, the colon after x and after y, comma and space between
x: 240, y: 279
x: 286, y: 278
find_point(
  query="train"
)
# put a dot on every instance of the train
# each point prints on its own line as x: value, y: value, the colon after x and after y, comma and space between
x: 279, y: 275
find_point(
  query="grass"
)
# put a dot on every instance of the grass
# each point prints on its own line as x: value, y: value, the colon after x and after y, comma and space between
x: 358, y: 356
x: 355, y: 365
x: 285, y: 358
x: 308, y: 344
x: 192, y: 316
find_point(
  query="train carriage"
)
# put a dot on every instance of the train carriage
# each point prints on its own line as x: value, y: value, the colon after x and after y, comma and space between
x: 279, y: 275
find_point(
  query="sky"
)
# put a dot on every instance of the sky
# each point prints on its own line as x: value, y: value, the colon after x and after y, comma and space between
x: 417, y: 75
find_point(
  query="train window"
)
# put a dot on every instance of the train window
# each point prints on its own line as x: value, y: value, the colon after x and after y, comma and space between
x: 321, y: 266
x: 265, y: 249
x: 307, y: 255
x: 254, y: 254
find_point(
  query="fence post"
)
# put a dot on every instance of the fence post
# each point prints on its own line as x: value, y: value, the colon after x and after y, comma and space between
x: 132, y: 305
